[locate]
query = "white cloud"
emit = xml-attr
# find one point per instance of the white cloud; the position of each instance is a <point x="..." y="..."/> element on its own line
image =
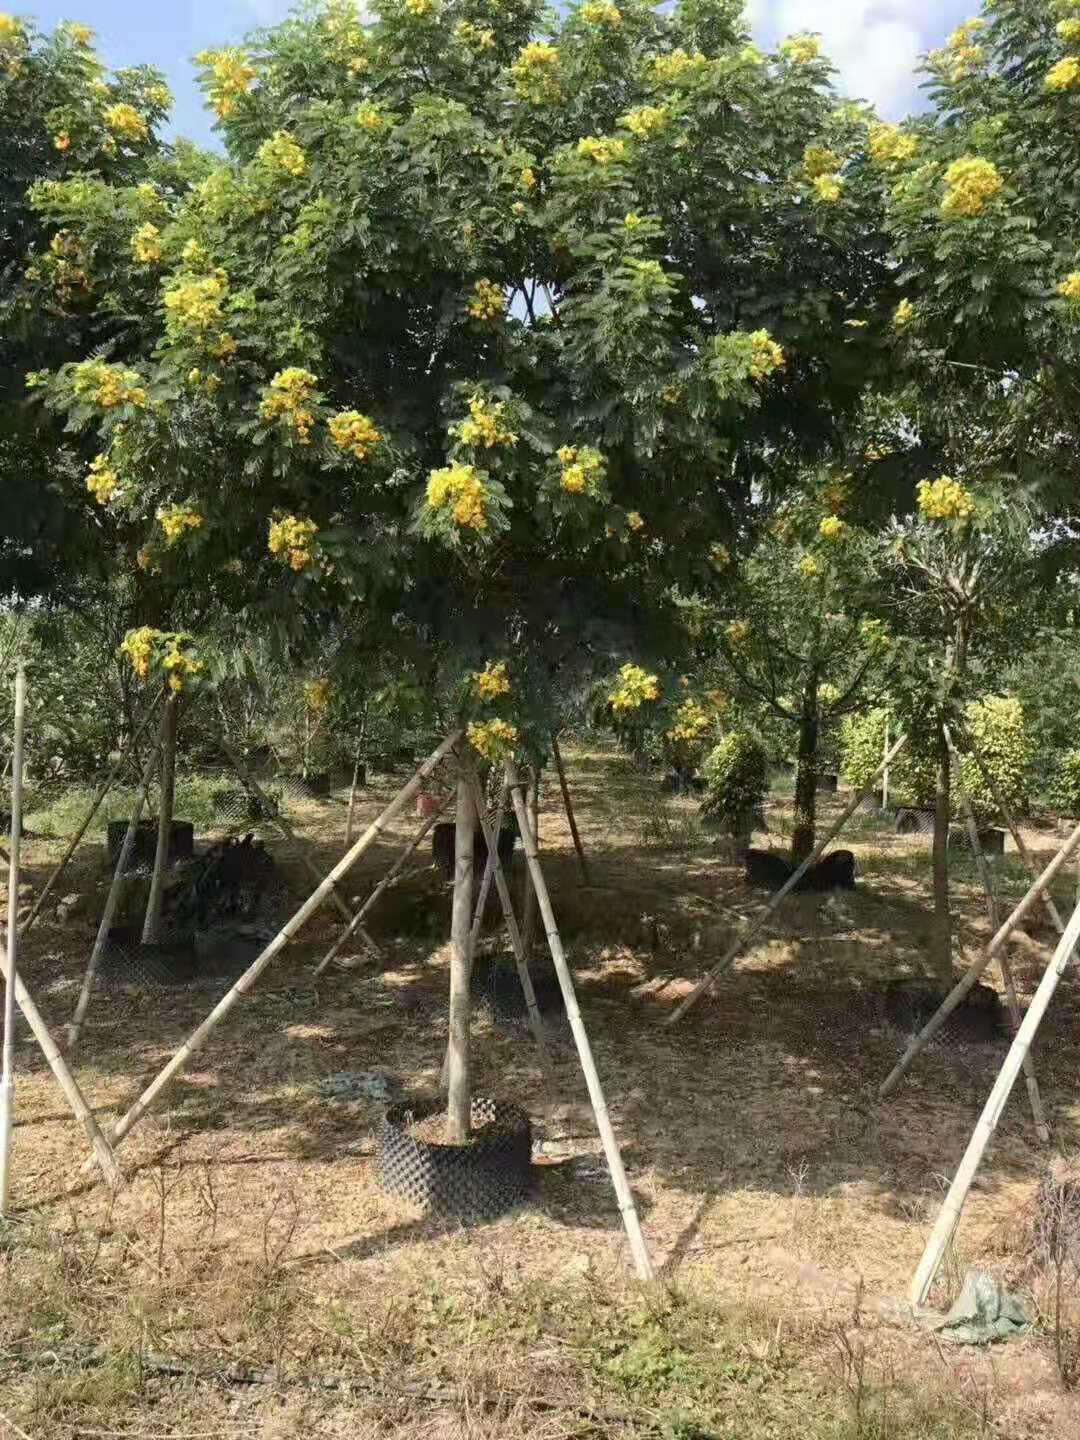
<point x="874" y="44"/>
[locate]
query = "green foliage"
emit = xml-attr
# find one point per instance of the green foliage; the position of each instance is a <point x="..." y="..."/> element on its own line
<point x="736" y="777"/>
<point x="998" y="732"/>
<point x="912" y="777"/>
<point x="1065" y="794"/>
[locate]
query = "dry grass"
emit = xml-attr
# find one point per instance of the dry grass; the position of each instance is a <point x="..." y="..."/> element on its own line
<point x="253" y="1279"/>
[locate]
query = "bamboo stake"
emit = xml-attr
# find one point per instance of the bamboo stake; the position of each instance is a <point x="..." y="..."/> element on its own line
<point x="255" y="790"/>
<point x="953" y="1204"/>
<point x="151" y="934"/>
<point x="458" y="1094"/>
<point x="315" y="900"/>
<point x="885" y="772"/>
<point x="492" y="854"/>
<point x="7" y="1079"/>
<point x="967" y="983"/>
<point x="384" y="884"/>
<point x="536" y="1020"/>
<point x="743" y="938"/>
<point x="112" y="900"/>
<point x="103" y="790"/>
<point x="1012" y="999"/>
<point x="529" y="923"/>
<point x="569" y="807"/>
<point x="623" y="1193"/>
<point x="352" y="800"/>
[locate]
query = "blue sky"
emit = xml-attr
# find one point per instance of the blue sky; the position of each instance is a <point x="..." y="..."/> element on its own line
<point x="874" y="43"/>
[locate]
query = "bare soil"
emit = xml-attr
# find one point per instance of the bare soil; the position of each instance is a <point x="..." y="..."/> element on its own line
<point x="251" y="1278"/>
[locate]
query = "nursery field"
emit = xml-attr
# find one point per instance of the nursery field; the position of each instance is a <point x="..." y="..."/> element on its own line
<point x="252" y="1279"/>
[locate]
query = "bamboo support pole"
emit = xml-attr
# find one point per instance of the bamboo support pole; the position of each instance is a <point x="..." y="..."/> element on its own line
<point x="953" y="1204"/>
<point x="528" y="925"/>
<point x="383" y="885"/>
<point x="151" y="934"/>
<point x="1038" y="1115"/>
<point x="969" y="980"/>
<point x="7" y="1077"/>
<point x="103" y="790"/>
<point x="458" y="1090"/>
<point x="112" y="900"/>
<point x="568" y="805"/>
<point x="492" y="855"/>
<point x="743" y="938"/>
<point x="247" y="980"/>
<point x="255" y="790"/>
<point x="352" y="800"/>
<point x="623" y="1193"/>
<point x="521" y="960"/>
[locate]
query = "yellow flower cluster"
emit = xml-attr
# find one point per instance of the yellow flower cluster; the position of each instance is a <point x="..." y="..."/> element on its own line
<point x="603" y="149"/>
<point x="79" y="33"/>
<point x="494" y="739"/>
<point x="1069" y="29"/>
<point x="102" y="482"/>
<point x="601" y="12"/>
<point x="828" y="187"/>
<point x="123" y="119"/>
<point x="159" y="95"/>
<point x="146" y="244"/>
<point x="692" y="720"/>
<point x="833" y="528"/>
<point x="492" y="681"/>
<point x="671" y="394"/>
<point x="108" y="385"/>
<point x="945" y="499"/>
<point x="527" y="178"/>
<point x="282" y="153"/>
<point x="583" y="469"/>
<point x="645" y="120"/>
<point x="232" y="73"/>
<point x="193" y="304"/>
<point x="62" y="141"/>
<point x="369" y="117"/>
<point x="466" y="33"/>
<point x="889" y="145"/>
<point x="819" y="160"/>
<point x="1063" y="75"/>
<point x="461" y="487"/>
<point x="809" y="567"/>
<point x="10" y="26"/>
<point x="635" y="687"/>
<point x="903" y="315"/>
<point x="678" y="65"/>
<point x="800" y="49"/>
<point x="317" y="694"/>
<point x="177" y="664"/>
<point x="535" y="73"/>
<point x="488" y="302"/>
<point x="421" y="7"/>
<point x="290" y="540"/>
<point x="354" y="432"/>
<point x="635" y="520"/>
<point x="960" y="55"/>
<point x="484" y="427"/>
<point x="738" y="633"/>
<point x="176" y="520"/>
<point x="1070" y="286"/>
<point x="767" y="355"/>
<point x="138" y="646"/>
<point x="970" y="182"/>
<point x="288" y="399"/>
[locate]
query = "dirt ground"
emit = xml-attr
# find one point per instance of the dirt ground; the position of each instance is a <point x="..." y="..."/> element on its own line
<point x="251" y="1278"/>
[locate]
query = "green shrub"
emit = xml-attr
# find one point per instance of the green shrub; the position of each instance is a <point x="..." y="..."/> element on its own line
<point x="736" y="777"/>
<point x="913" y="777"/>
<point x="1000" y="735"/>
<point x="1065" y="792"/>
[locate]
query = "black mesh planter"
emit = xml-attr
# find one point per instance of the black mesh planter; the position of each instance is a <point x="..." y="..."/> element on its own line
<point x="496" y="982"/>
<point x="467" y="1182"/>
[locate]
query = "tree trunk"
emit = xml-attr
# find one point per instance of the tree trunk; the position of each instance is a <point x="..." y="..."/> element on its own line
<point x="152" y="923"/>
<point x="941" y="934"/>
<point x="806" y="776"/>
<point x="459" y="1101"/>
